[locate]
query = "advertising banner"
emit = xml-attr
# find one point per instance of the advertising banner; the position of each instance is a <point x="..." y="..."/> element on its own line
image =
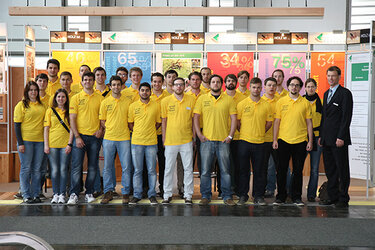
<point x="183" y="62"/>
<point x="113" y="60"/>
<point x="72" y="60"/>
<point x="327" y="38"/>
<point x="30" y="63"/>
<point x="231" y="38"/>
<point x="111" y="37"/>
<point x="320" y="62"/>
<point x="3" y="88"/>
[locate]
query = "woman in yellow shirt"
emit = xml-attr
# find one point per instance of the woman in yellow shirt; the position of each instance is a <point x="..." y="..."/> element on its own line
<point x="316" y="106"/>
<point x="28" y="124"/>
<point x="58" y="143"/>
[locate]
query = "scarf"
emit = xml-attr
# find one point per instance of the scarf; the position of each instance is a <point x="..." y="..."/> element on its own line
<point x="318" y="103"/>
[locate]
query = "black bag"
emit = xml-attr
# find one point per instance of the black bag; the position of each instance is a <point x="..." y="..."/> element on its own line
<point x="323" y="192"/>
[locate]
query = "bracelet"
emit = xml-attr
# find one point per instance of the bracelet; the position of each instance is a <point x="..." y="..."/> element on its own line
<point x="70" y="145"/>
<point x="230" y="137"/>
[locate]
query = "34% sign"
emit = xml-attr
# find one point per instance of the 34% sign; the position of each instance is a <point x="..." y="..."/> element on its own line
<point x="294" y="63"/>
<point x="240" y="61"/>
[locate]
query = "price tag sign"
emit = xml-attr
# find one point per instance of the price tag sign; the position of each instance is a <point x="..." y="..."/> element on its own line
<point x="320" y="62"/>
<point x="293" y="64"/>
<point x="113" y="60"/>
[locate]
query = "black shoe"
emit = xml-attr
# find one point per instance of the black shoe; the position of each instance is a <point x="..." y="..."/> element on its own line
<point x="28" y="201"/>
<point x="37" y="200"/>
<point x="188" y="201"/>
<point x="134" y="201"/>
<point x="260" y="201"/>
<point x="342" y="204"/>
<point x="153" y="200"/>
<point x="298" y="203"/>
<point x="311" y="199"/>
<point x="42" y="196"/>
<point x="166" y="202"/>
<point x="278" y="202"/>
<point x="18" y="196"/>
<point x="97" y="194"/>
<point x="326" y="202"/>
<point x="242" y="201"/>
<point x="269" y="194"/>
<point x="115" y="194"/>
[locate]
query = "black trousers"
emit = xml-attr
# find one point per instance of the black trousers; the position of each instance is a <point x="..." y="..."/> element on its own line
<point x="234" y="165"/>
<point x="336" y="165"/>
<point x="298" y="153"/>
<point x="268" y="151"/>
<point x="161" y="162"/>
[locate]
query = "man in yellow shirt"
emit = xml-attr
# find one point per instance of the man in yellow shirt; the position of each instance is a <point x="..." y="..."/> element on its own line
<point x="77" y="87"/>
<point x="292" y="137"/>
<point x="255" y="117"/>
<point x="278" y="74"/>
<point x="215" y="108"/>
<point x="136" y="75"/>
<point x="100" y="86"/>
<point x="113" y="113"/>
<point x="66" y="83"/>
<point x="123" y="73"/>
<point x="243" y="79"/>
<point x="177" y="128"/>
<point x="85" y="125"/>
<point x="53" y="68"/>
<point x="170" y="75"/>
<point x="206" y="74"/>
<point x="144" y="119"/>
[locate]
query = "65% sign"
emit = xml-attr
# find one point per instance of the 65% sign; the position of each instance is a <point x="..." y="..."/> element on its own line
<point x="294" y="63"/>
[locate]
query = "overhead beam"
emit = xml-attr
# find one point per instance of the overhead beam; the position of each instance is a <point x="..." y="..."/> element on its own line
<point x="166" y="11"/>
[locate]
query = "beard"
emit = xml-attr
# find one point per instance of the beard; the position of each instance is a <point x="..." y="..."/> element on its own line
<point x="231" y="87"/>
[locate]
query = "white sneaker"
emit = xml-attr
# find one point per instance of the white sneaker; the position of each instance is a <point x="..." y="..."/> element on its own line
<point x="73" y="199"/>
<point x="61" y="199"/>
<point x="89" y="198"/>
<point x="55" y="199"/>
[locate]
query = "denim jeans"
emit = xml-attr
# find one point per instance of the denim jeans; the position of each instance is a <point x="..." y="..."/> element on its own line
<point x="30" y="172"/>
<point x="139" y="152"/>
<point x="314" y="170"/>
<point x="59" y="162"/>
<point x="92" y="147"/>
<point x="123" y="149"/>
<point x="222" y="151"/>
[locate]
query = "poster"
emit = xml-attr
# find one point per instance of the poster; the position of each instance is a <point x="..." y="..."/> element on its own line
<point x="357" y="77"/>
<point x="30" y="63"/>
<point x="320" y="62"/>
<point x="183" y="62"/>
<point x="224" y="63"/>
<point x="293" y="64"/>
<point x="72" y="60"/>
<point x="2" y="70"/>
<point x="113" y="60"/>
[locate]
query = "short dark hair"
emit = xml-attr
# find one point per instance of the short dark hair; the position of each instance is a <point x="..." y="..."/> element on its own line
<point x="136" y="69"/>
<point x="214" y="75"/>
<point x="171" y="71"/>
<point x="99" y="69"/>
<point x="85" y="65"/>
<point x="41" y="76"/>
<point x="278" y="70"/>
<point x="122" y="69"/>
<point x="231" y="76"/>
<point x="294" y="78"/>
<point x="243" y="72"/>
<point x="195" y="73"/>
<point x="53" y="61"/>
<point x="269" y="79"/>
<point x="206" y="68"/>
<point x="157" y="74"/>
<point x="179" y="79"/>
<point x="145" y="84"/>
<point x="115" y="78"/>
<point x="256" y="80"/>
<point x="66" y="73"/>
<point x="311" y="80"/>
<point x="88" y="74"/>
<point x="334" y="68"/>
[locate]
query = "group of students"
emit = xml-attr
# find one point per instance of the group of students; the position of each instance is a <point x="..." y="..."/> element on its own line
<point x="195" y="121"/>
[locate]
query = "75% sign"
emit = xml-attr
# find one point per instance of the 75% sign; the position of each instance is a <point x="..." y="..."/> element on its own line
<point x="294" y="63"/>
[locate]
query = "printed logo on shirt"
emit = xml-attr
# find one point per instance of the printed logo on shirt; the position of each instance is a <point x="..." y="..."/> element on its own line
<point x="206" y="104"/>
<point x="172" y="108"/>
<point x="82" y="102"/>
<point x="109" y="107"/>
<point x="137" y="111"/>
<point x="285" y="107"/>
<point x="247" y="109"/>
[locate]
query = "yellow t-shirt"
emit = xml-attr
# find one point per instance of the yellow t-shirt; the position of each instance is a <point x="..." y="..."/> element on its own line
<point x="131" y="93"/>
<point x="179" y="116"/>
<point x="87" y="109"/>
<point x="145" y="117"/>
<point x="269" y="133"/>
<point x="158" y="100"/>
<point x="53" y="87"/>
<point x="58" y="136"/>
<point x="293" y="115"/>
<point x="253" y="117"/>
<point x="115" y="113"/>
<point x="31" y="120"/>
<point x="204" y="89"/>
<point x="195" y="96"/>
<point x="76" y="87"/>
<point x="246" y="93"/>
<point x="282" y="94"/>
<point x="45" y="100"/>
<point x="105" y="91"/>
<point x="316" y="117"/>
<point x="237" y="98"/>
<point x="70" y="95"/>
<point x="215" y="114"/>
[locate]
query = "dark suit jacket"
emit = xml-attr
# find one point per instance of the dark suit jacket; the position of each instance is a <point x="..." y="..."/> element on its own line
<point x="336" y="117"/>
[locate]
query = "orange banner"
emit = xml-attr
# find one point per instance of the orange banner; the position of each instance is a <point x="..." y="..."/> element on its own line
<point x="320" y="62"/>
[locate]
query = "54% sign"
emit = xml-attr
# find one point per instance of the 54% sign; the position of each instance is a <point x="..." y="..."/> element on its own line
<point x="294" y="63"/>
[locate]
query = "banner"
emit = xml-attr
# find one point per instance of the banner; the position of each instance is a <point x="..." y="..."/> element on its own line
<point x="293" y="64"/>
<point x="327" y="38"/>
<point x="111" y="37"/>
<point x="30" y="63"/>
<point x="72" y="60"/>
<point x="358" y="81"/>
<point x="113" y="60"/>
<point x="320" y="62"/>
<point x="3" y="88"/>
<point x="184" y="63"/>
<point x="231" y="38"/>
<point x="224" y="63"/>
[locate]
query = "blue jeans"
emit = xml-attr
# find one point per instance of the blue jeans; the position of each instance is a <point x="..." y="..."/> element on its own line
<point x="314" y="170"/>
<point x="59" y="162"/>
<point x="92" y="147"/>
<point x="222" y="150"/>
<point x="123" y="150"/>
<point x="30" y="172"/>
<point x="139" y="152"/>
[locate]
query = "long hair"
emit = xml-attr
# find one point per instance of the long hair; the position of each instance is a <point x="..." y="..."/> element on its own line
<point x="26" y="98"/>
<point x="66" y="104"/>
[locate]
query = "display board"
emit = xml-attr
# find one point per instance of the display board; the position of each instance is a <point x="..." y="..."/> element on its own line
<point x="292" y="63"/>
<point x="224" y="63"/>
<point x="183" y="62"/>
<point x="3" y="88"/>
<point x="320" y="62"/>
<point x="72" y="60"/>
<point x="113" y="60"/>
<point x="358" y="81"/>
<point x="30" y="63"/>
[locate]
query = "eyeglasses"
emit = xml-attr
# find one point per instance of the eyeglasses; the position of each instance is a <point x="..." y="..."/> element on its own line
<point x="294" y="85"/>
<point x="179" y="84"/>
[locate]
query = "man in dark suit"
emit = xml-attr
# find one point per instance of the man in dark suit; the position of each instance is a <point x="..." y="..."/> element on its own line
<point x="335" y="138"/>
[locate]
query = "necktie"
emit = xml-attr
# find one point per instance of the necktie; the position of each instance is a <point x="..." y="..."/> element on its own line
<point x="329" y="95"/>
